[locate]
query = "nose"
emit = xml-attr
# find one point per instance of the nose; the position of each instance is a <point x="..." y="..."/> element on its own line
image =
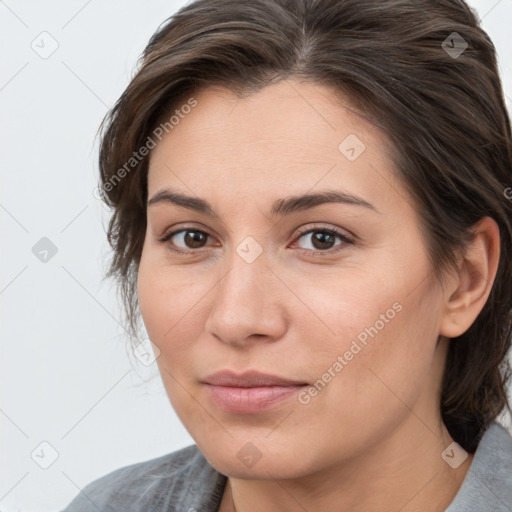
<point x="247" y="304"/>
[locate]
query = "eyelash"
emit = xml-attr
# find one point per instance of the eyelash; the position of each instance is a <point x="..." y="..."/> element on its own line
<point x="344" y="238"/>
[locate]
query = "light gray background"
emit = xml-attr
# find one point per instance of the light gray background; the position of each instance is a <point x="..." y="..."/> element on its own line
<point x="66" y="377"/>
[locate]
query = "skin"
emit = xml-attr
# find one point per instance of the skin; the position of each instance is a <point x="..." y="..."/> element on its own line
<point x="372" y="439"/>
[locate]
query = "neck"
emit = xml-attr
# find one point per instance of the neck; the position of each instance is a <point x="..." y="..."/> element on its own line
<point x="403" y="472"/>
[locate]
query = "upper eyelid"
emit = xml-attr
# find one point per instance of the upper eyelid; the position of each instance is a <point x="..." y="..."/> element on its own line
<point x="321" y="227"/>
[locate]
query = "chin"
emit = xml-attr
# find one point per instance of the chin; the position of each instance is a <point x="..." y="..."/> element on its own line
<point x="246" y="461"/>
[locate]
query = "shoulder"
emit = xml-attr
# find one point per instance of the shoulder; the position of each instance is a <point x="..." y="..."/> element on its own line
<point x="182" y="480"/>
<point x="488" y="483"/>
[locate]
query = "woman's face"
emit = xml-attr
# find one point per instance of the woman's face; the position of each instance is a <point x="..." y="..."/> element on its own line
<point x="333" y="294"/>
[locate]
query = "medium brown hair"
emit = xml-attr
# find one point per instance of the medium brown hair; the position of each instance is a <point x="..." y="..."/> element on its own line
<point x="444" y="113"/>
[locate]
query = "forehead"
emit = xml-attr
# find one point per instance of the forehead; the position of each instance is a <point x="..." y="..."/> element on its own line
<point x="291" y="135"/>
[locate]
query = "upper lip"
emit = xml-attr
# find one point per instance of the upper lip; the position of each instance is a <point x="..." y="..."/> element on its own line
<point x="249" y="379"/>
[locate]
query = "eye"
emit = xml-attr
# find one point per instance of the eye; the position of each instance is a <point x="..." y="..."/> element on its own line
<point x="322" y="239"/>
<point x="189" y="238"/>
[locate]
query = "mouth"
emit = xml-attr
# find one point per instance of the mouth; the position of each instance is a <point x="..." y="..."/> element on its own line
<point x="250" y="379"/>
<point x="250" y="392"/>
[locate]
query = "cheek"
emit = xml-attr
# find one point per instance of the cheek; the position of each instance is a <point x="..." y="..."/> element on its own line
<point x="369" y="336"/>
<point x="172" y="304"/>
<point x="168" y="298"/>
<point x="371" y="372"/>
<point x="153" y="301"/>
<point x="171" y="323"/>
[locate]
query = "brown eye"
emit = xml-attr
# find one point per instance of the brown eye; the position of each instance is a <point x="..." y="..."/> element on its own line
<point x="323" y="240"/>
<point x="194" y="239"/>
<point x="185" y="240"/>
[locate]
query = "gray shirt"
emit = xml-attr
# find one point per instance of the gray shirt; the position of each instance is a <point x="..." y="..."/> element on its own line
<point x="184" y="481"/>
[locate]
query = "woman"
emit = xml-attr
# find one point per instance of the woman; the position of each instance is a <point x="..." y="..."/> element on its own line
<point x="310" y="209"/>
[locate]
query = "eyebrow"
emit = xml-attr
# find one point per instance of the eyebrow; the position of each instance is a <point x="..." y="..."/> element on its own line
<point x="281" y="207"/>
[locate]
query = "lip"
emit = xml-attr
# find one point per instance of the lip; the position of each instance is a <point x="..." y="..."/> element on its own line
<point x="250" y="392"/>
<point x="249" y="379"/>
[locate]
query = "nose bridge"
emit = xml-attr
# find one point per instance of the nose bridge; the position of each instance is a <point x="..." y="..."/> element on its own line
<point x="241" y="304"/>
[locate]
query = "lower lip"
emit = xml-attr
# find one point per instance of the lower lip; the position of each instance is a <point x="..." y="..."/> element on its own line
<point x="250" y="400"/>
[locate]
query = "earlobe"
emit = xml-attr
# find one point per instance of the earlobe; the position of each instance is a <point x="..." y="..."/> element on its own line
<point x="473" y="283"/>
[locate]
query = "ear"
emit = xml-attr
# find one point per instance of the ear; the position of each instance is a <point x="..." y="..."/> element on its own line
<point x="471" y="286"/>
